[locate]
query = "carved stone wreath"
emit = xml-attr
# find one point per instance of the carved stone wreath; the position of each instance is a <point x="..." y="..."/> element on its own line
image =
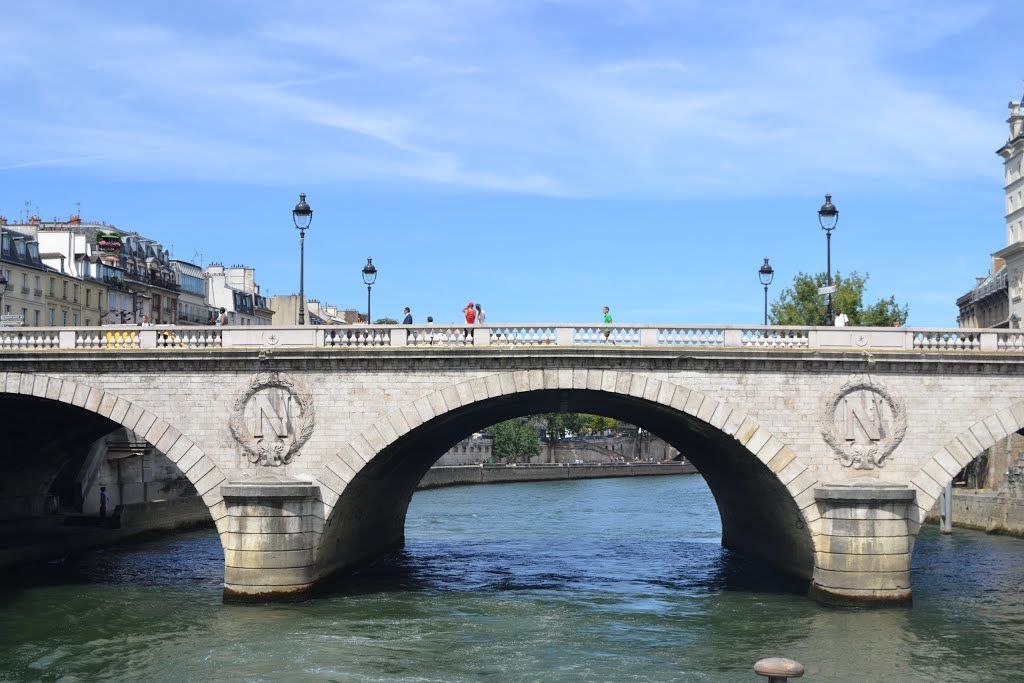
<point x="857" y="455"/>
<point x="277" y="453"/>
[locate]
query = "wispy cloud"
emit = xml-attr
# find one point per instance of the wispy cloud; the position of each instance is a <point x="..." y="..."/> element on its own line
<point x="629" y="99"/>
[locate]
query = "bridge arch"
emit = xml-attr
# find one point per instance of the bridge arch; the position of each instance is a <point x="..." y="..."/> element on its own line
<point x="190" y="459"/>
<point x="960" y="451"/>
<point x="763" y="489"/>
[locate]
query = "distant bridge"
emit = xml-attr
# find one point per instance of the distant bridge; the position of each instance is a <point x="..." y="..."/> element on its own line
<point x="824" y="447"/>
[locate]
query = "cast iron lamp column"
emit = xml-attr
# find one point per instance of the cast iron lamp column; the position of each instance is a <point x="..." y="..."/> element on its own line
<point x="369" y="276"/>
<point x="302" y="215"/>
<point x="828" y="217"/>
<point x="766" y="274"/>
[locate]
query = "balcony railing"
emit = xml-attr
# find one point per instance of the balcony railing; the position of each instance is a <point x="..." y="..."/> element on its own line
<point x="609" y="338"/>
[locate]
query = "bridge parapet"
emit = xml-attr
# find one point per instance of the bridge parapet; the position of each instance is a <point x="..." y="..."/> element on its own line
<point x="512" y="335"/>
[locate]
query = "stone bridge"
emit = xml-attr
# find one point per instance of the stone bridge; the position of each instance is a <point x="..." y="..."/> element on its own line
<point x="824" y="447"/>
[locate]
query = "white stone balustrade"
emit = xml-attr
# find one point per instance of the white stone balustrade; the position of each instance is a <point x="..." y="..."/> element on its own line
<point x="534" y="335"/>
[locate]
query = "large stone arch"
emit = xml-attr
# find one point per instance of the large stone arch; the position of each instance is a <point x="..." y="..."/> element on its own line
<point x="188" y="457"/>
<point x="958" y="452"/>
<point x="368" y="531"/>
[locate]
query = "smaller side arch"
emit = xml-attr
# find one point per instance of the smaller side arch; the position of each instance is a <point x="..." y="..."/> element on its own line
<point x="189" y="458"/>
<point x="958" y="452"/>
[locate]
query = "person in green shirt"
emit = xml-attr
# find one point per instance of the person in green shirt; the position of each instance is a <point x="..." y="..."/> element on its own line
<point x="607" y="321"/>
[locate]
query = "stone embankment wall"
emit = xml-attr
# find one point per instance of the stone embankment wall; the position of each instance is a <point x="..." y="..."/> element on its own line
<point x="650" y="448"/>
<point x="991" y="511"/>
<point x="164" y="515"/>
<point x="495" y="474"/>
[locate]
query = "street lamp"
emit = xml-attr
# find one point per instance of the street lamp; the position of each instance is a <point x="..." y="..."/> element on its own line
<point x="369" y="276"/>
<point x="828" y="216"/>
<point x="302" y="216"/>
<point x="766" y="274"/>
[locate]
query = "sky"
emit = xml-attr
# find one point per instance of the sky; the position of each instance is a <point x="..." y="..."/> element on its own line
<point x="544" y="158"/>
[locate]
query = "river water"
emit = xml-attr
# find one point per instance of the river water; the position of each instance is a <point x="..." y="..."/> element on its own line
<point x="605" y="580"/>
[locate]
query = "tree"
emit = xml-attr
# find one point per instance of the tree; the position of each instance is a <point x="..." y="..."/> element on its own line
<point x="558" y="424"/>
<point x="515" y="439"/>
<point x="386" y="321"/>
<point x="802" y="305"/>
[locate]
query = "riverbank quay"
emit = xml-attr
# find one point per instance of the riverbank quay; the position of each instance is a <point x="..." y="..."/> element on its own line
<point x="51" y="537"/>
<point x="464" y="475"/>
<point x="994" y="512"/>
<point x="43" y="539"/>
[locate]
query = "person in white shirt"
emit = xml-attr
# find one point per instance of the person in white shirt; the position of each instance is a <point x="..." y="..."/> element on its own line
<point x="841" y="319"/>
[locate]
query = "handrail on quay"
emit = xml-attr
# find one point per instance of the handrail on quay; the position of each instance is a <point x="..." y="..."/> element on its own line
<point x="514" y="335"/>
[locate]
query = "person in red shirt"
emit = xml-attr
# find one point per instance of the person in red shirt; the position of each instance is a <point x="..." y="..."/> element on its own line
<point x="470" y="313"/>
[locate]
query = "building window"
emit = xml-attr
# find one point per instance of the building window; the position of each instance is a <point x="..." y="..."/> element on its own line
<point x="88" y="297"/>
<point x="76" y="294"/>
<point x="24" y="315"/>
<point x="63" y="318"/>
<point x="53" y="287"/>
<point x="35" y="318"/>
<point x="64" y="291"/>
<point x="39" y="289"/>
<point x="74" y="319"/>
<point x="53" y="315"/>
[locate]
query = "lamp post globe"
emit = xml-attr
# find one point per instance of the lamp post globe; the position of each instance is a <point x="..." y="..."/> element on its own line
<point x="766" y="273"/>
<point x="302" y="216"/>
<point x="369" y="277"/>
<point x="828" y="217"/>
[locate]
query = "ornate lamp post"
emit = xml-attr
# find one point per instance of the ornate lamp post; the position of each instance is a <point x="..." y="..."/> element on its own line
<point x="766" y="273"/>
<point x="369" y="276"/>
<point x="828" y="217"/>
<point x="302" y="216"/>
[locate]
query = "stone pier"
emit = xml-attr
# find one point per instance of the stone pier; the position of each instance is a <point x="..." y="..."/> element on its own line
<point x="863" y="555"/>
<point x="271" y="540"/>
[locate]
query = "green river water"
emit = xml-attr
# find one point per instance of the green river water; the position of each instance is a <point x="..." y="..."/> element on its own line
<point x="603" y="580"/>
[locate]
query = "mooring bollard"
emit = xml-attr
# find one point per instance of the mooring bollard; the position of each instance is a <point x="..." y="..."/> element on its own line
<point x="778" y="669"/>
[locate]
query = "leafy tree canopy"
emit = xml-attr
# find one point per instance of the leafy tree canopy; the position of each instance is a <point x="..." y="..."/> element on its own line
<point x="515" y="439"/>
<point x="560" y="424"/>
<point x="386" y="321"/>
<point x="801" y="304"/>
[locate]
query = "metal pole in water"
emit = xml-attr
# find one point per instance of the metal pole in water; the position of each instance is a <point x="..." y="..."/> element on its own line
<point x="778" y="669"/>
<point x="946" y="509"/>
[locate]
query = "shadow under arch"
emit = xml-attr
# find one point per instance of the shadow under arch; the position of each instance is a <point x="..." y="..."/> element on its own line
<point x="756" y="480"/>
<point x="960" y="451"/>
<point x="105" y="412"/>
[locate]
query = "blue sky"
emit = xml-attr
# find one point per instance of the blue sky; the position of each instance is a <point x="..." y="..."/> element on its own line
<point x="543" y="158"/>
